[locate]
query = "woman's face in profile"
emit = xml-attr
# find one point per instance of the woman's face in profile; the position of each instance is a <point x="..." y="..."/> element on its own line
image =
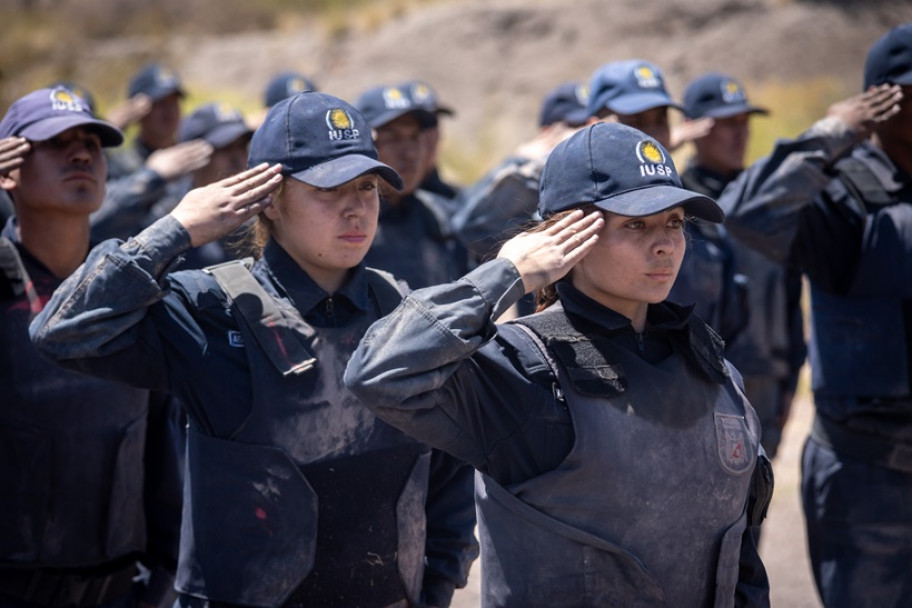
<point x="635" y="261"/>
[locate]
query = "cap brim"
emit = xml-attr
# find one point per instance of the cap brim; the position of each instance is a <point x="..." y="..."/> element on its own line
<point x="227" y="134"/>
<point x="655" y="199"/>
<point x="159" y="94"/>
<point x="425" y="119"/>
<point x="728" y="111"/>
<point x="49" y="128"/>
<point x="340" y="170"/>
<point x="445" y="110"/>
<point x="640" y="102"/>
<point x="577" y="118"/>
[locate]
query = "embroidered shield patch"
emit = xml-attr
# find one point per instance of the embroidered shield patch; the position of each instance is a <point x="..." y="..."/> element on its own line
<point x="733" y="443"/>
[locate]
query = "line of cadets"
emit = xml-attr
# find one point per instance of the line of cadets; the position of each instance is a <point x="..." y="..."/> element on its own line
<point x="429" y="232"/>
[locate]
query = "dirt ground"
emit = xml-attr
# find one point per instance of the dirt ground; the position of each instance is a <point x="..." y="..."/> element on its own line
<point x="783" y="545"/>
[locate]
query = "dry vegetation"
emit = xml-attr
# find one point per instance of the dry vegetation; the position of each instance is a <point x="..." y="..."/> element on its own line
<point x="492" y="61"/>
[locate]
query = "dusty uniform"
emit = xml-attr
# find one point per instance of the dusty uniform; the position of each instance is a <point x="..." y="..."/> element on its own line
<point x="90" y="476"/>
<point x="843" y="215"/>
<point x="770" y="350"/>
<point x="589" y="484"/>
<point x="297" y="495"/>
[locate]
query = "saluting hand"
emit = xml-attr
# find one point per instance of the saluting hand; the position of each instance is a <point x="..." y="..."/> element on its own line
<point x="180" y="159"/>
<point x="864" y="111"/>
<point x="12" y="153"/>
<point x="213" y="211"/>
<point x="544" y="256"/>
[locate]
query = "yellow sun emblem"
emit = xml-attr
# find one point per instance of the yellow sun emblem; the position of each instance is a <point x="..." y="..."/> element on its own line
<point x="649" y="152"/>
<point x="339" y="119"/>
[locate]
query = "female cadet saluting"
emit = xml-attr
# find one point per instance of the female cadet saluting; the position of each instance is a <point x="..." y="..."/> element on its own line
<point x="616" y="449"/>
<point x="296" y="494"/>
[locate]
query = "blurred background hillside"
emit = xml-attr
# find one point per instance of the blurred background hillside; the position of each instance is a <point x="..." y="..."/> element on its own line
<point x="490" y="61"/>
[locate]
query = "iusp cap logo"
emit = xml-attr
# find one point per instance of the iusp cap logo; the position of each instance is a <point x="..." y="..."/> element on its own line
<point x="318" y="139"/>
<point x="648" y="77"/>
<point x="652" y="160"/>
<point x="66" y="100"/>
<point x="618" y="169"/>
<point x="394" y="99"/>
<point x="341" y="126"/>
<point x="732" y="91"/>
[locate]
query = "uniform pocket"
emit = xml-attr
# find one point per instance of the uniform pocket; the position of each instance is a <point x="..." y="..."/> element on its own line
<point x="249" y="528"/>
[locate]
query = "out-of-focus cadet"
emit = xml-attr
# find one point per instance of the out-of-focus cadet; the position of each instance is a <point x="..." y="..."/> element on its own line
<point x="425" y="96"/>
<point x="836" y="202"/>
<point x="91" y="482"/>
<point x="284" y="85"/>
<point x="144" y="172"/>
<point x="414" y="238"/>
<point x="225" y="130"/>
<point x="770" y="351"/>
<point x="633" y="93"/>
<point x="502" y="202"/>
<point x="281" y="86"/>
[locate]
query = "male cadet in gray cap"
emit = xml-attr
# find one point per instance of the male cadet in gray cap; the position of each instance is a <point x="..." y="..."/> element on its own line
<point x="89" y="471"/>
<point x="770" y="351"/>
<point x="837" y="203"/>
<point x="143" y="173"/>
<point x="414" y="238"/>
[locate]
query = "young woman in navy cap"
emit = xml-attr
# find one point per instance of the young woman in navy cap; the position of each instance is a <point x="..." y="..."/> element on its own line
<point x="616" y="449"/>
<point x="296" y="494"/>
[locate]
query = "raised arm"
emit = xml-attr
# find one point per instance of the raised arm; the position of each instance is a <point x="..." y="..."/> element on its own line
<point x="763" y="206"/>
<point x="100" y="310"/>
<point x="417" y="369"/>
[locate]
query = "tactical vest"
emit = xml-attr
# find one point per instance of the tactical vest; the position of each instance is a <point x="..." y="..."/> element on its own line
<point x="71" y="448"/>
<point x="859" y="346"/>
<point x="649" y="506"/>
<point x="312" y="501"/>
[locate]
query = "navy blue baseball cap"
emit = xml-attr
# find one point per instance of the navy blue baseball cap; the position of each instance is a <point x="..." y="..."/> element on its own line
<point x="717" y="96"/>
<point x="618" y="169"/>
<point x="424" y="96"/>
<point x="383" y="105"/>
<point x="155" y="81"/>
<point x="217" y="123"/>
<point x="319" y="140"/>
<point x="46" y="113"/>
<point x="628" y="87"/>
<point x="890" y="58"/>
<point x="286" y="84"/>
<point x="565" y="103"/>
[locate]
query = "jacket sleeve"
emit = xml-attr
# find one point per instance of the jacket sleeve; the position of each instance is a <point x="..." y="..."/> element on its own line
<point x="99" y="321"/>
<point x="451" y="546"/>
<point x="127" y="205"/>
<point x="413" y="368"/>
<point x="763" y="206"/>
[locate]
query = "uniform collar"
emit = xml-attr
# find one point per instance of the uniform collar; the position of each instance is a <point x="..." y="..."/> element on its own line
<point x="890" y="176"/>
<point x="303" y="291"/>
<point x="665" y="315"/>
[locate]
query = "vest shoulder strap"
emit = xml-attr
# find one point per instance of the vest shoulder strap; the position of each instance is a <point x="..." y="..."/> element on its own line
<point x="862" y="183"/>
<point x="583" y="357"/>
<point x="275" y="330"/>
